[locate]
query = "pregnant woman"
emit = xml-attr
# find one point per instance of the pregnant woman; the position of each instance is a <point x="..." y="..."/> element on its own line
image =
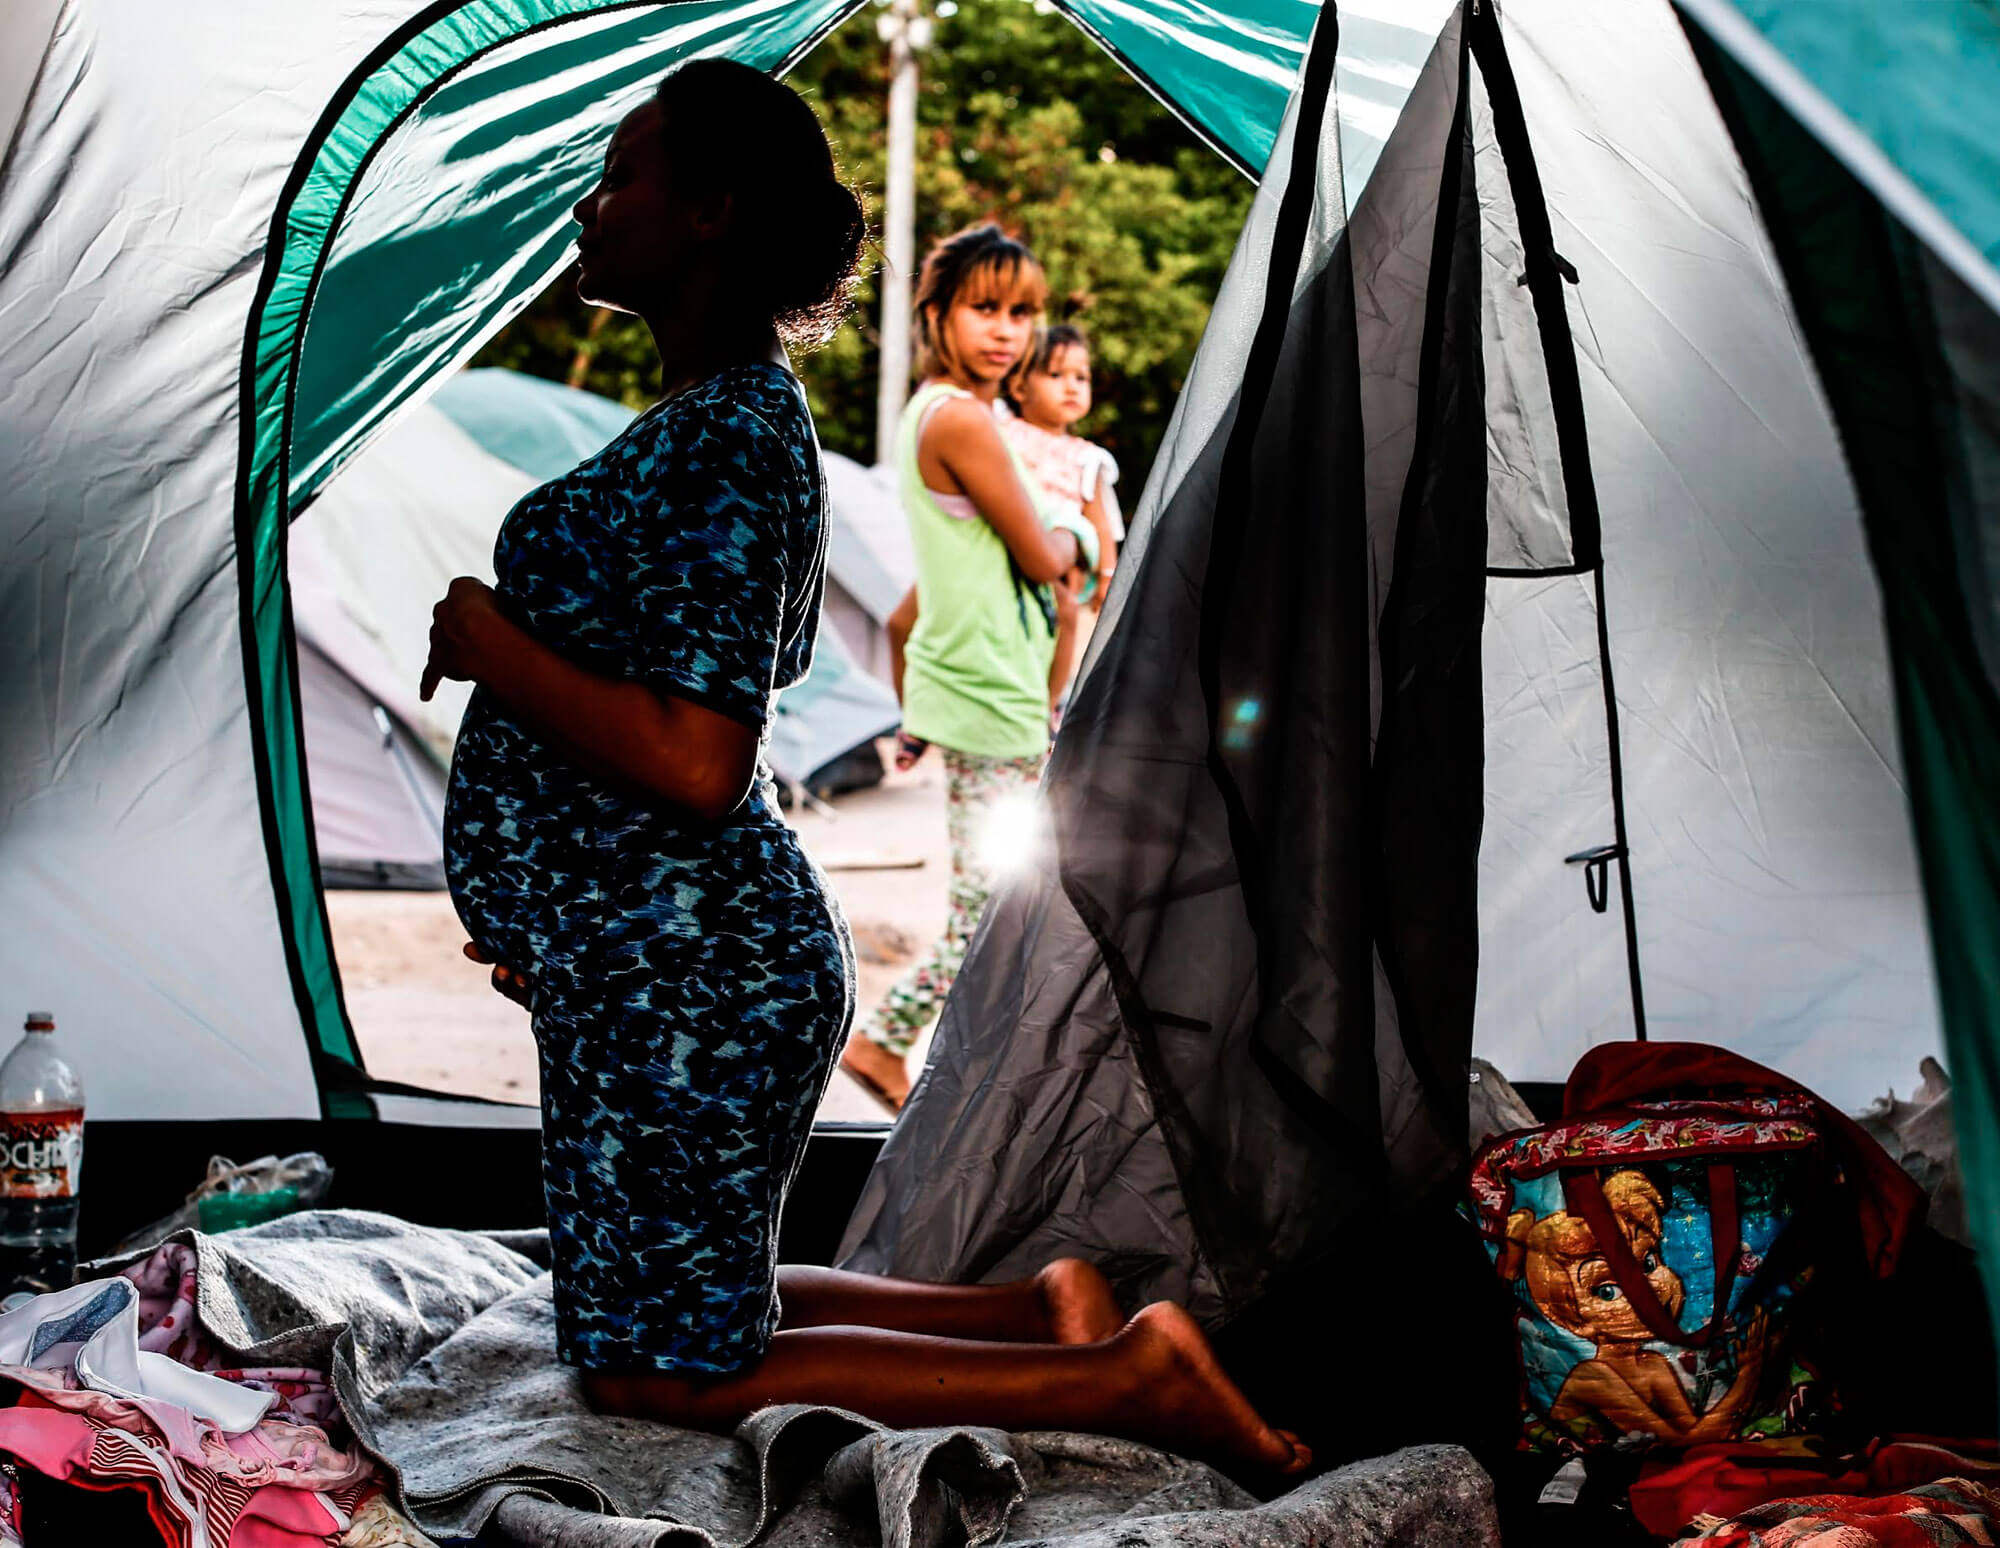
<point x="616" y="853"/>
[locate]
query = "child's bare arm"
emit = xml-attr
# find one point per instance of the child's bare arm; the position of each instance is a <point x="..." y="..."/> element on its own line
<point x="901" y="621"/>
<point x="1107" y="545"/>
<point x="1069" y="636"/>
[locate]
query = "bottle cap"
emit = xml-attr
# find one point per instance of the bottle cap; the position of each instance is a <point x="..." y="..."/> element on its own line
<point x="41" y="1021"/>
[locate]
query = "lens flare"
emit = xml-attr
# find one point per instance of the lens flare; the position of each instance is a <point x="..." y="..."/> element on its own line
<point x="1012" y="835"/>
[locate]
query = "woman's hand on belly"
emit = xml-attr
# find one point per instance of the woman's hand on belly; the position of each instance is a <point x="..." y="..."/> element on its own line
<point x="459" y="624"/>
<point x="512" y="982"/>
<point x="667" y="747"/>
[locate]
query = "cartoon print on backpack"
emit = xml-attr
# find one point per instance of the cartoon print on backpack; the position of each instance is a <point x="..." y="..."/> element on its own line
<point x="1595" y="1369"/>
<point x="1626" y="1386"/>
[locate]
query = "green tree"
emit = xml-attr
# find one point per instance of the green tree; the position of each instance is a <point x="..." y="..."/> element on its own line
<point x="1021" y="119"/>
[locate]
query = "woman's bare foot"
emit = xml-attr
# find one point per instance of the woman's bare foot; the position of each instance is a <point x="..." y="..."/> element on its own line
<point x="1186" y="1403"/>
<point x="882" y="1074"/>
<point x="1080" y="1305"/>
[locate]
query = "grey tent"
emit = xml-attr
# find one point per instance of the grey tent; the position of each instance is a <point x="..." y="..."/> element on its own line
<point x="1497" y="661"/>
<point x="378" y="793"/>
<point x="870" y="562"/>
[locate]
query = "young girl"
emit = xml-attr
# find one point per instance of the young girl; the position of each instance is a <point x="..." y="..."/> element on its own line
<point x="1049" y="392"/>
<point x="974" y="672"/>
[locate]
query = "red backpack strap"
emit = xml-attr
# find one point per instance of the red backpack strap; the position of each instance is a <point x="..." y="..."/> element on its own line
<point x="1888" y="1203"/>
<point x="1585" y="1196"/>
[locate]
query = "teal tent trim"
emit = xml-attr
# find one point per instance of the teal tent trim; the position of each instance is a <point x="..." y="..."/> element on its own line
<point x="1904" y="350"/>
<point x="1907" y="97"/>
<point x="308" y="406"/>
<point x="411" y="64"/>
<point x="1226" y="71"/>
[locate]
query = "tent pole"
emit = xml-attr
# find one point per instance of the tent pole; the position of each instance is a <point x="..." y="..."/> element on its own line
<point x="1624" y="852"/>
<point x="905" y="29"/>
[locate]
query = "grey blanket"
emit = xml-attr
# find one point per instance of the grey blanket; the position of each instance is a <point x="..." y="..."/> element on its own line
<point x="442" y="1348"/>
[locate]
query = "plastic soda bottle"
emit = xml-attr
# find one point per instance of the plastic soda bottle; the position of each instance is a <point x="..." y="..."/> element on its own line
<point x="41" y="1158"/>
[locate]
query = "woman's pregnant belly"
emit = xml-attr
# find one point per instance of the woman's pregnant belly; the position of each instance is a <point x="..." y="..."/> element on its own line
<point x="548" y="867"/>
<point x="516" y="855"/>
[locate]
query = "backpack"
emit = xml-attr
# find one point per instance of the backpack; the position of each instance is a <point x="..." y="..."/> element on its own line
<point x="1668" y="1238"/>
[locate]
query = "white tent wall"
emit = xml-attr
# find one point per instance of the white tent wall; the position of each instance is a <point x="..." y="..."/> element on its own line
<point x="1775" y="887"/>
<point x="1775" y="878"/>
<point x="1776" y="890"/>
<point x="1777" y="901"/>
<point x="134" y="881"/>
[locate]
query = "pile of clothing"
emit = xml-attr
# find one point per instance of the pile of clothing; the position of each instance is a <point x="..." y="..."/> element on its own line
<point x="115" y="1384"/>
<point x="1953" y="1510"/>
<point x="1911" y="1490"/>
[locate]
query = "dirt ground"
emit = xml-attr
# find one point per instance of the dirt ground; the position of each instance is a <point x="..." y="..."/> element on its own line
<point x="427" y="1016"/>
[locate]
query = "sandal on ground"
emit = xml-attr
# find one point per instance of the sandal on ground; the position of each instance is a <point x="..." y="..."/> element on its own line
<point x="869" y="1084"/>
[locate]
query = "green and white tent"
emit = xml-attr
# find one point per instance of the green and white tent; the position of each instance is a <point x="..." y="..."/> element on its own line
<point x="234" y="243"/>
<point x="1738" y="581"/>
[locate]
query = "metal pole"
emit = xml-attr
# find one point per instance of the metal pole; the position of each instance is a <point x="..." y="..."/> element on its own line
<point x="905" y="29"/>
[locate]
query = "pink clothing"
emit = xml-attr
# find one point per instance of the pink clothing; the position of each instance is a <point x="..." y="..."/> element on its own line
<point x="193" y="1506"/>
<point x="1069" y="469"/>
<point x="275" y="1452"/>
<point x="280" y="1482"/>
<point x="167" y="1325"/>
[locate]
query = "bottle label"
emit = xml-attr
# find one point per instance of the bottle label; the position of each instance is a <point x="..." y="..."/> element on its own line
<point x="40" y="1154"/>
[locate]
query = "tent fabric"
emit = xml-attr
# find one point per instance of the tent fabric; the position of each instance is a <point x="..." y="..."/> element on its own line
<point x="1777" y="902"/>
<point x="24" y="31"/>
<point x="471" y="127"/>
<point x="180" y="210"/>
<point x="1720" y="626"/>
<point x="135" y="876"/>
<point x="1226" y="68"/>
<point x="544" y="429"/>
<point x="1907" y="98"/>
<point x="1910" y="357"/>
<point x="1265" y="798"/>
<point x="870" y="562"/>
<point x="372" y="555"/>
<point x="422" y="504"/>
<point x="378" y="799"/>
<point x="540" y="427"/>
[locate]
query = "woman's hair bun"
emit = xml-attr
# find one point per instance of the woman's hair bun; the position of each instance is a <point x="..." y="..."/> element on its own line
<point x="798" y="232"/>
<point x="814" y="273"/>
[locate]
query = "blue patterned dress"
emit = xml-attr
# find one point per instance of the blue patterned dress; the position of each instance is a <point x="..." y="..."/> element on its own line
<point x="692" y="981"/>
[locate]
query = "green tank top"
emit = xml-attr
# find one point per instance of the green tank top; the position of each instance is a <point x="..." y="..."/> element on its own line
<point x="976" y="669"/>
